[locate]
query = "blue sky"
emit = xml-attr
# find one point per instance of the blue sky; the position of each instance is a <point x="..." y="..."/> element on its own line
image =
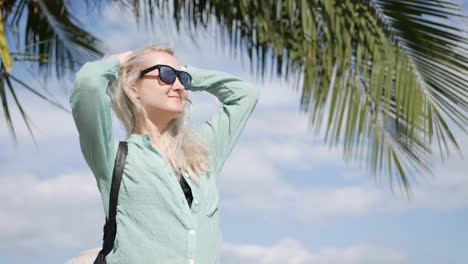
<point x="285" y="196"/>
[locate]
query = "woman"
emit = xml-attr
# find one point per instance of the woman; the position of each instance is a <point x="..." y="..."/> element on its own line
<point x="156" y="222"/>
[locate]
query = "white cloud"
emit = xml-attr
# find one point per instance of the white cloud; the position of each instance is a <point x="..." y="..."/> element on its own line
<point x="66" y="213"/>
<point x="276" y="158"/>
<point x="292" y="252"/>
<point x="63" y="212"/>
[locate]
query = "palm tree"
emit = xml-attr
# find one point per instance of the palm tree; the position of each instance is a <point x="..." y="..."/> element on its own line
<point x="53" y="39"/>
<point x="386" y="78"/>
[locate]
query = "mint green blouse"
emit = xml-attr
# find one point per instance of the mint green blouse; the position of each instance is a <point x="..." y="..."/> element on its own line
<point x="154" y="222"/>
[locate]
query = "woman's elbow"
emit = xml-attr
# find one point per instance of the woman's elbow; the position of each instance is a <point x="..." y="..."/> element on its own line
<point x="253" y="92"/>
<point x="256" y="92"/>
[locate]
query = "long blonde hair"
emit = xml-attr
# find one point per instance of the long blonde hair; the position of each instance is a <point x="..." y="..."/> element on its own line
<point x="183" y="150"/>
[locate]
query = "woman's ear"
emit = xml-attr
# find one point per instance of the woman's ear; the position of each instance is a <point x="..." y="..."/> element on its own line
<point x="134" y="91"/>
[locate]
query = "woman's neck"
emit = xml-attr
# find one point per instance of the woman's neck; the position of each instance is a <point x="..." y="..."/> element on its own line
<point x="154" y="128"/>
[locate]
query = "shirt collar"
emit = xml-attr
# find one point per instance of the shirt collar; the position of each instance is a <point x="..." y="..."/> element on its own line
<point x="140" y="139"/>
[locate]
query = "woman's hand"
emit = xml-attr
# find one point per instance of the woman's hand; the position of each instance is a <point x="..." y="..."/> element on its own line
<point x="123" y="57"/>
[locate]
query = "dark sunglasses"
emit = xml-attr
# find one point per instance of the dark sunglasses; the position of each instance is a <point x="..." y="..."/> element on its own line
<point x="168" y="75"/>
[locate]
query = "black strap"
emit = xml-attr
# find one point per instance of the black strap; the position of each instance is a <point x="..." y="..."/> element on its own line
<point x="110" y="228"/>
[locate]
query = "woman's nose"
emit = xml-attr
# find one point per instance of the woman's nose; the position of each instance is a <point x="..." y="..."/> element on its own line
<point x="177" y="85"/>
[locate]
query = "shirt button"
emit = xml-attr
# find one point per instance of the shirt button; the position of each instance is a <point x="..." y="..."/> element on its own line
<point x="191" y="261"/>
<point x="195" y="201"/>
<point x="192" y="232"/>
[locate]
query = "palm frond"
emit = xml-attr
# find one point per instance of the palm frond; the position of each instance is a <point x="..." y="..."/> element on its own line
<point x="4" y="51"/>
<point x="70" y="44"/>
<point x="6" y="81"/>
<point x="384" y="78"/>
<point x="6" y="110"/>
<point x="384" y="74"/>
<point x="54" y="39"/>
<point x="437" y="50"/>
<point x="25" y="117"/>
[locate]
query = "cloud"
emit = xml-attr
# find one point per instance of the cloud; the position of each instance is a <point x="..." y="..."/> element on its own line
<point x="65" y="212"/>
<point x="60" y="212"/>
<point x="278" y="158"/>
<point x="292" y="252"/>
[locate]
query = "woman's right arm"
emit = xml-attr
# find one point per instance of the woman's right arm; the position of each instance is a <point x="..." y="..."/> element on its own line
<point x="91" y="108"/>
<point x="238" y="97"/>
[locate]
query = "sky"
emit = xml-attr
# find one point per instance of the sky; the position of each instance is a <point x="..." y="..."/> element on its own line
<point x="285" y="196"/>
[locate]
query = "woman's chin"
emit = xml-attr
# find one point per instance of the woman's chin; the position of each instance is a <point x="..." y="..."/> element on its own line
<point x="176" y="109"/>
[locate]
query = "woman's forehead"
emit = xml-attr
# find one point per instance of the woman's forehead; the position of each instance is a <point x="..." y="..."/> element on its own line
<point x="160" y="57"/>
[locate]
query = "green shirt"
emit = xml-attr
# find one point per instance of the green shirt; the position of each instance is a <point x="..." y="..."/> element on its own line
<point x="154" y="222"/>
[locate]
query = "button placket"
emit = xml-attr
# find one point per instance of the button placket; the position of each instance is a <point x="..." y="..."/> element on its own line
<point x="195" y="204"/>
<point x="192" y="239"/>
<point x="178" y="192"/>
<point x="196" y="201"/>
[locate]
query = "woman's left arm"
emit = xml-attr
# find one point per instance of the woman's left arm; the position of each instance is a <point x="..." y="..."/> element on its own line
<point x="222" y="130"/>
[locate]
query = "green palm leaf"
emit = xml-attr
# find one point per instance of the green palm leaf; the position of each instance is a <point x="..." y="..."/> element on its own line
<point x="70" y="44"/>
<point x="384" y="77"/>
<point x="54" y="39"/>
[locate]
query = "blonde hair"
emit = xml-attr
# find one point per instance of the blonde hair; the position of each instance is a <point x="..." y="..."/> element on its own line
<point x="183" y="150"/>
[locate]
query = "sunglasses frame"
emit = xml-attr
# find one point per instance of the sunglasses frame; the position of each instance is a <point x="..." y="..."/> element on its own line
<point x="158" y="67"/>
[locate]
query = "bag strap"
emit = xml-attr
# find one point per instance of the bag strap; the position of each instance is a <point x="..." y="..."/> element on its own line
<point x="110" y="228"/>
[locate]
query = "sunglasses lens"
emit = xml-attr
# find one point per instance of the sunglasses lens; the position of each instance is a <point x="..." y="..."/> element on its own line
<point x="168" y="75"/>
<point x="185" y="79"/>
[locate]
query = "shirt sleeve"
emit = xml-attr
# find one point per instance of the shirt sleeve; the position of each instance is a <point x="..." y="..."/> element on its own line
<point x="91" y="108"/>
<point x="239" y="98"/>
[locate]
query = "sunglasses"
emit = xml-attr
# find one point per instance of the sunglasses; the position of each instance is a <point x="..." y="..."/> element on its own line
<point x="168" y="75"/>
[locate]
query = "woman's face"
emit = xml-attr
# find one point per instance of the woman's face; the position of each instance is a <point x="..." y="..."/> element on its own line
<point x="160" y="99"/>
